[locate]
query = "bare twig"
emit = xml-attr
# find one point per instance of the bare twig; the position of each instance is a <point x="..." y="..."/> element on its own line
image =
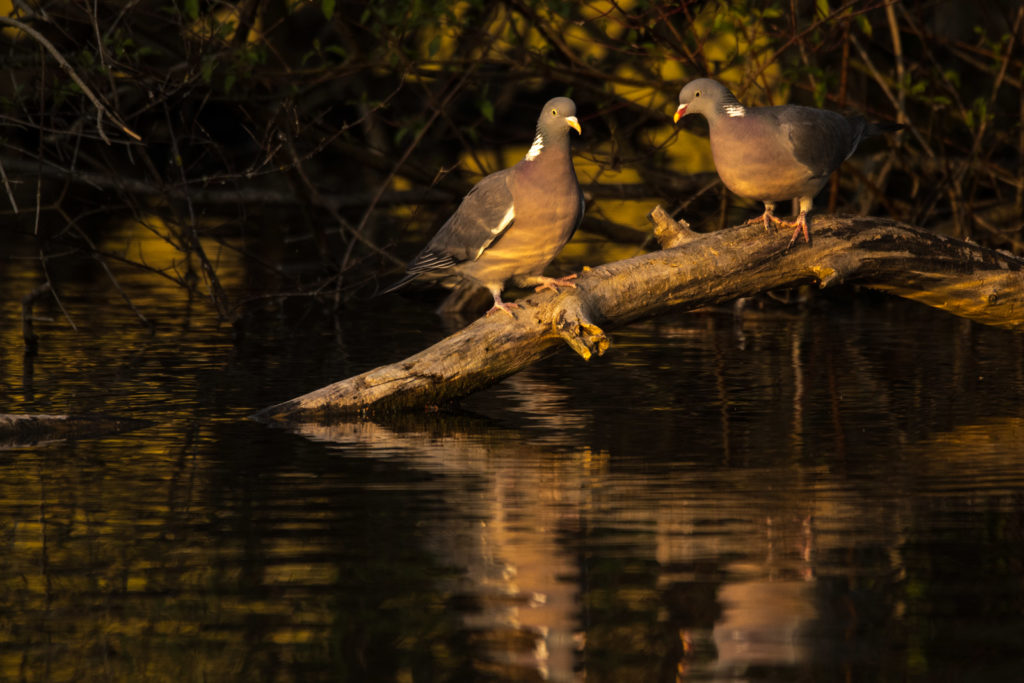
<point x="331" y="206"/>
<point x="7" y="187"/>
<point x="217" y="294"/>
<point x="452" y="91"/>
<point x="896" y="103"/>
<point x="101" y="109"/>
<point x="49" y="285"/>
<point x="897" y="51"/>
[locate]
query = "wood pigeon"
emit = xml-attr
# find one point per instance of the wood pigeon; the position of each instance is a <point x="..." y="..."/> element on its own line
<point x="774" y="153"/>
<point x="513" y="222"/>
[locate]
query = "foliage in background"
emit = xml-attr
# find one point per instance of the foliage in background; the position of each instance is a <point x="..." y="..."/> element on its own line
<point x="321" y="142"/>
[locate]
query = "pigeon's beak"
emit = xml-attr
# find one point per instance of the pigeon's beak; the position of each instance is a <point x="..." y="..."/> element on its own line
<point x="680" y="113"/>
<point x="574" y="124"/>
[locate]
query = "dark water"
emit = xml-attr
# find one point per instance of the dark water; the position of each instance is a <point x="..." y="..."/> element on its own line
<point x="833" y="492"/>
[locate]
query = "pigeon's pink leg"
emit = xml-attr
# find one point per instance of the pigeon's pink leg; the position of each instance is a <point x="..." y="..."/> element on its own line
<point x="801" y="226"/>
<point x="500" y="305"/>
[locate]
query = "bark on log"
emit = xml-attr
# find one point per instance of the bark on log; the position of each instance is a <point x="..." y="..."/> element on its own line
<point x="693" y="270"/>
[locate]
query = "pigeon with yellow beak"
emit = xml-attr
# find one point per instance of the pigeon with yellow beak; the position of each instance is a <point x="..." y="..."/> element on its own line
<point x="513" y="222"/>
<point x="774" y="153"/>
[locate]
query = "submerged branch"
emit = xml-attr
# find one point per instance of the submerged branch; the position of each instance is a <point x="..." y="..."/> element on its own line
<point x="695" y="270"/>
<point x="19" y="430"/>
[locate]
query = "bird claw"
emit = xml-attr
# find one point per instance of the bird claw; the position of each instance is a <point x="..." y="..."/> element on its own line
<point x="503" y="306"/>
<point x="553" y="283"/>
<point x="800" y="226"/>
<point x="768" y="218"/>
<point x="755" y="220"/>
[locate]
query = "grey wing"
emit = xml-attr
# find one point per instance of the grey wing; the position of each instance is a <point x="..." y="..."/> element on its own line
<point x="821" y="140"/>
<point x="485" y="213"/>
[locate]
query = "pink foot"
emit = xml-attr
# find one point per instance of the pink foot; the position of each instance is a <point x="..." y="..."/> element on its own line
<point x="553" y="283"/>
<point x="500" y="305"/>
<point x="768" y="218"/>
<point x="800" y="225"/>
<point x="757" y="219"/>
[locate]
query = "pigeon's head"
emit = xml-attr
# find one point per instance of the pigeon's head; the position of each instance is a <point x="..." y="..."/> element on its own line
<point x="708" y="97"/>
<point x="557" y="117"/>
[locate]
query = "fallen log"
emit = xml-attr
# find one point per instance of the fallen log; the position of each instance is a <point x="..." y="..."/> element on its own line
<point x="692" y="270"/>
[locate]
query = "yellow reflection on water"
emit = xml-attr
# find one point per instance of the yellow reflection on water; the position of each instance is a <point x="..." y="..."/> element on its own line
<point x="783" y="528"/>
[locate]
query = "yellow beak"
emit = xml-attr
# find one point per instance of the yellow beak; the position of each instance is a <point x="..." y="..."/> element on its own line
<point x="680" y="113"/>
<point x="574" y="124"/>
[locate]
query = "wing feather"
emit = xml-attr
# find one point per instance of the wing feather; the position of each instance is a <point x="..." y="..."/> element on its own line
<point x="821" y="140"/>
<point x="485" y="213"/>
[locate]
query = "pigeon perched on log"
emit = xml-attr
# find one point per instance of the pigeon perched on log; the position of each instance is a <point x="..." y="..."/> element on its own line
<point x="773" y="154"/>
<point x="513" y="222"/>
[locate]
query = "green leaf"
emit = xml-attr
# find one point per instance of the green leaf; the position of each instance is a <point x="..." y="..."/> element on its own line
<point x="192" y="9"/>
<point x="980" y="107"/>
<point x="864" y="25"/>
<point x="487" y="109"/>
<point x="327" y="7"/>
<point x="337" y="50"/>
<point x="820" y="93"/>
<point x="206" y="69"/>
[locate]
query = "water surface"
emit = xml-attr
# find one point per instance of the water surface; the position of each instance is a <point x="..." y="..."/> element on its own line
<point x="827" y="492"/>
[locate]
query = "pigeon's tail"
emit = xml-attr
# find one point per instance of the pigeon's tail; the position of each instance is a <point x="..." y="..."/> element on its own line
<point x="877" y="128"/>
<point x="398" y="285"/>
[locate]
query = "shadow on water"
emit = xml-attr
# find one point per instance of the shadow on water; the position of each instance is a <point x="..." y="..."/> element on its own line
<point x="817" y="494"/>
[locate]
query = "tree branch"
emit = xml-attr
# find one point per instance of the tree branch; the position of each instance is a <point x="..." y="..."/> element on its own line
<point x="101" y="108"/>
<point x="959" y="277"/>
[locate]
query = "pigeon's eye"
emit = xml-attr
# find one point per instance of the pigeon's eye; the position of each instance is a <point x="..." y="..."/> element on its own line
<point x="554" y="112"/>
<point x="697" y="94"/>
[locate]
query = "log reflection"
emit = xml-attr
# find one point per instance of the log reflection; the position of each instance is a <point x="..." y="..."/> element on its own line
<point x="575" y="563"/>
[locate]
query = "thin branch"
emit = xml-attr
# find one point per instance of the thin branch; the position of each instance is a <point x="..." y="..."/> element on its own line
<point x="56" y="297"/>
<point x="897" y="51"/>
<point x="217" y="294"/>
<point x="332" y="207"/>
<point x="457" y="87"/>
<point x="7" y="187"/>
<point x="896" y="103"/>
<point x="101" y="109"/>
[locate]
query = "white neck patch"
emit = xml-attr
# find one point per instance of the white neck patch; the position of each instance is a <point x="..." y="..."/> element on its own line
<point x="735" y="110"/>
<point x="538" y="145"/>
